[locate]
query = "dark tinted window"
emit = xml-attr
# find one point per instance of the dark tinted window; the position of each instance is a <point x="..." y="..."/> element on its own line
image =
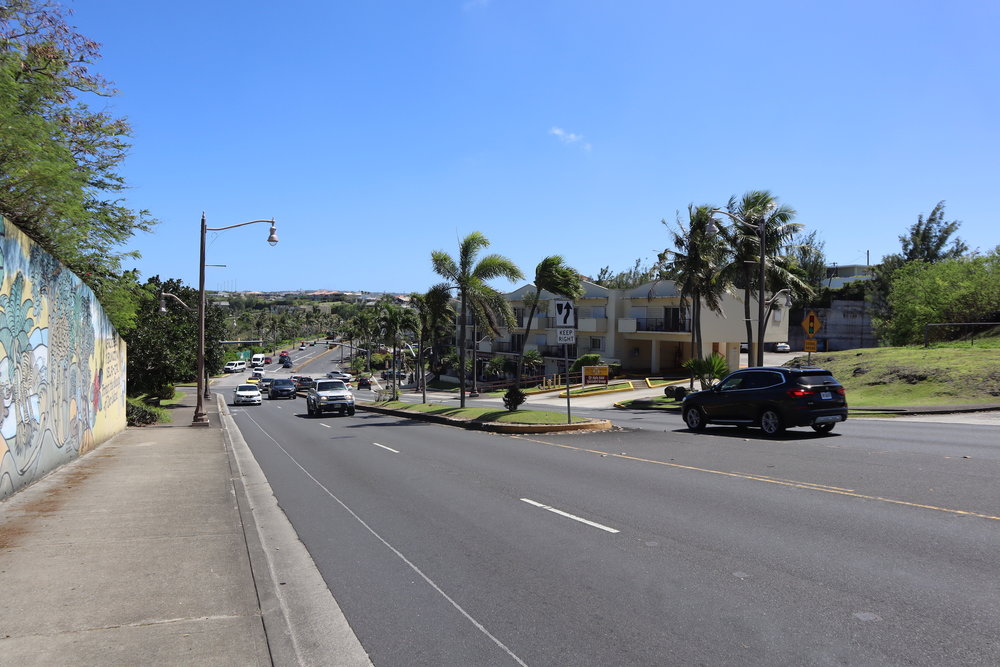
<point x="813" y="380"/>
<point x="734" y="382"/>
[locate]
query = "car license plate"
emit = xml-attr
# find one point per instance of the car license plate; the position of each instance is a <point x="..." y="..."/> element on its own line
<point x="825" y="395"/>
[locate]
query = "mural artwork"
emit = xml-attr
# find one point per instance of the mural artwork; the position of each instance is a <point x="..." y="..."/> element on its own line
<point x="62" y="365"/>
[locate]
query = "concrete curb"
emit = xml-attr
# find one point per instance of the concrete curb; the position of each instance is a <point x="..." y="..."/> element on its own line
<point x="303" y="622"/>
<point x="592" y="425"/>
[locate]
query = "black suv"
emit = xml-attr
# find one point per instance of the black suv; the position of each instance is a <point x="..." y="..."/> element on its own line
<point x="770" y="397"/>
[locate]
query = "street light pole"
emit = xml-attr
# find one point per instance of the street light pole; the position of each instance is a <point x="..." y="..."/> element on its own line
<point x="761" y="324"/>
<point x="200" y="417"/>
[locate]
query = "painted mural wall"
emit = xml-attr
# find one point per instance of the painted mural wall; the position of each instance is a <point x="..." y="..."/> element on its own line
<point x="62" y="365"/>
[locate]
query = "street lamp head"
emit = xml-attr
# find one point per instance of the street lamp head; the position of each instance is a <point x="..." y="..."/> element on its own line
<point x="272" y="238"/>
<point x="163" y="304"/>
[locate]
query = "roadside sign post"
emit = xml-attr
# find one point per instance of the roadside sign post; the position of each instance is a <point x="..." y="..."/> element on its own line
<point x="566" y="334"/>
<point x="811" y="325"/>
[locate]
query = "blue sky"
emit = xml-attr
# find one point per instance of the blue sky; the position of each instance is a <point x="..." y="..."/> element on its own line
<point x="375" y="132"/>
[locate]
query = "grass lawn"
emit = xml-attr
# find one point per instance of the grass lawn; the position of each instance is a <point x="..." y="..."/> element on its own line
<point x="948" y="374"/>
<point x="483" y="414"/>
<point x="902" y="376"/>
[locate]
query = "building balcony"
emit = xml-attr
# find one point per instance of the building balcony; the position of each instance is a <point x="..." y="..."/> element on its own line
<point x="652" y="325"/>
<point x="592" y="324"/>
<point x="557" y="351"/>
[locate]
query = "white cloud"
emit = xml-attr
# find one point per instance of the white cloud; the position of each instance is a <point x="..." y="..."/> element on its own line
<point x="569" y="137"/>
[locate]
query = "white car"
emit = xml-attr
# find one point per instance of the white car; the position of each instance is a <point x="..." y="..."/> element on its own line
<point x="782" y="347"/>
<point x="246" y="394"/>
<point x="340" y="375"/>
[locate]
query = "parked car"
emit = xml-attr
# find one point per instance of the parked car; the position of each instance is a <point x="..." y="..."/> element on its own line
<point x="782" y="347"/>
<point x="389" y="373"/>
<point x="303" y="382"/>
<point x="340" y="375"/>
<point x="246" y="394"/>
<point x="329" y="395"/>
<point x="281" y="388"/>
<point x="770" y="397"/>
<point x="364" y="383"/>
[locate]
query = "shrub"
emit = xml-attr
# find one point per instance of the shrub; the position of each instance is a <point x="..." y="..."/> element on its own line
<point x="707" y="370"/>
<point x="513" y="399"/>
<point x="138" y="413"/>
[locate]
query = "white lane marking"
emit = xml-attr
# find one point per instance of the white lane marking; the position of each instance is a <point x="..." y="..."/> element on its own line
<point x="569" y="516"/>
<point x="325" y="425"/>
<point x="394" y="451"/>
<point x="479" y="626"/>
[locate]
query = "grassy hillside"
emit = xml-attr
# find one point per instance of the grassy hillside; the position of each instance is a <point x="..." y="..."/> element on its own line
<point x="898" y="376"/>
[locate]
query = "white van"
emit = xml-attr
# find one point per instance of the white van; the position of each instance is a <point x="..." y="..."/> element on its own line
<point x="257" y="360"/>
<point x="235" y="366"/>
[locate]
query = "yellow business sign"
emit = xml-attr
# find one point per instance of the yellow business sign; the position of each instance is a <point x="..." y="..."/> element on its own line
<point x="809" y="345"/>
<point x="595" y="375"/>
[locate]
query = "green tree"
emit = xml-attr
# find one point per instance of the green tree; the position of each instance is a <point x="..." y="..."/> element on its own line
<point x="637" y="275"/>
<point x="929" y="241"/>
<point x="552" y="275"/>
<point x="163" y="346"/>
<point x="958" y="289"/>
<point x="495" y="366"/>
<point x="757" y="210"/>
<point x="470" y="277"/>
<point x="393" y="321"/>
<point x="809" y="259"/>
<point x="434" y="313"/>
<point x="59" y="159"/>
<point x="696" y="264"/>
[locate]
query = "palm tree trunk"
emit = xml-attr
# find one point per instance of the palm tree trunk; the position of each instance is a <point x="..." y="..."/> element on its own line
<point x="749" y="324"/>
<point x="524" y="343"/>
<point x="461" y="355"/>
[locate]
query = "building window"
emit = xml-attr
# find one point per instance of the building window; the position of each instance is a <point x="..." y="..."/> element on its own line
<point x="596" y="343"/>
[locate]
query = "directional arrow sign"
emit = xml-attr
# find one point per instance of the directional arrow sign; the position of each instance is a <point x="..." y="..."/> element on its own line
<point x="564" y="314"/>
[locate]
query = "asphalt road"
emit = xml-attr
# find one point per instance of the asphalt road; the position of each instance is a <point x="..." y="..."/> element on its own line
<point x="877" y="544"/>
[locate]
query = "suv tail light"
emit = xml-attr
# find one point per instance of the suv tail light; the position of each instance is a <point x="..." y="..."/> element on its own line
<point x="799" y="393"/>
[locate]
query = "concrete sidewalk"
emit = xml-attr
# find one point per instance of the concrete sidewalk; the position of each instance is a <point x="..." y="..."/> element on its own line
<point x="163" y="546"/>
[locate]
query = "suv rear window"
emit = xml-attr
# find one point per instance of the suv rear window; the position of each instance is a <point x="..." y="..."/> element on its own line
<point x="282" y="383"/>
<point x="813" y="380"/>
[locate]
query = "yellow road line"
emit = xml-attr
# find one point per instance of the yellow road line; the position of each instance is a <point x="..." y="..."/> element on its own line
<point x="809" y="486"/>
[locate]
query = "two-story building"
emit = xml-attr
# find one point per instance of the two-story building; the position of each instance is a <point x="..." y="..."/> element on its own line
<point x="646" y="329"/>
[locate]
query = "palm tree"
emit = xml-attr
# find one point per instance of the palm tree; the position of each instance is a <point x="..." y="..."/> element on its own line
<point x="553" y="276"/>
<point x="432" y="308"/>
<point x="695" y="265"/>
<point x="393" y="320"/>
<point x="758" y="218"/>
<point x="532" y="360"/>
<point x="469" y="277"/>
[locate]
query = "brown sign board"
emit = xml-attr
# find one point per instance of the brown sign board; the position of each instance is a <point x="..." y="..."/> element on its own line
<point x="595" y="375"/>
<point x="809" y="345"/>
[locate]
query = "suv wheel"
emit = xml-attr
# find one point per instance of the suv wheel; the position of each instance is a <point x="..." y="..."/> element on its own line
<point x="823" y="428"/>
<point x="350" y="411"/>
<point x="694" y="418"/>
<point x="771" y="423"/>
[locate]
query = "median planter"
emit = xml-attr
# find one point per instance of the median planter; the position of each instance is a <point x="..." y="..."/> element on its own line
<point x="492" y="427"/>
